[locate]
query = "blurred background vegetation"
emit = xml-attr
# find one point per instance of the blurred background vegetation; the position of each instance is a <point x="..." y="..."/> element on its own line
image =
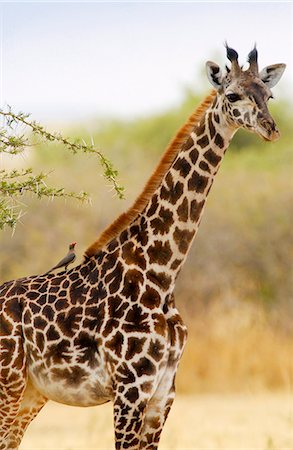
<point x="235" y="291"/>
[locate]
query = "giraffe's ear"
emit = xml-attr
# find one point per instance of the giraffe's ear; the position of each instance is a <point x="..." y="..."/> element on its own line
<point x="270" y="75"/>
<point x="214" y="74"/>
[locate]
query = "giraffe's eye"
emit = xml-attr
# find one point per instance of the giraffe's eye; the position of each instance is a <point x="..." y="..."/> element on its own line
<point x="233" y="97"/>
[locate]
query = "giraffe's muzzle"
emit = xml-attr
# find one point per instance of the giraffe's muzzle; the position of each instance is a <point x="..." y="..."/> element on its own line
<point x="268" y="130"/>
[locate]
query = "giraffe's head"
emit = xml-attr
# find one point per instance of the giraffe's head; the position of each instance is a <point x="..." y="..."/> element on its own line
<point x="244" y="94"/>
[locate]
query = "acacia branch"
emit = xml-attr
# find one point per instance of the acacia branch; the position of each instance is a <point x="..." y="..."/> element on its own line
<point x="15" y="183"/>
<point x="75" y="147"/>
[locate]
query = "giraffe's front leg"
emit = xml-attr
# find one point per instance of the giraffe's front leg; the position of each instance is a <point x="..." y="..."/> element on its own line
<point x="128" y="422"/>
<point x="135" y="381"/>
<point x="133" y="393"/>
<point x="160" y="404"/>
<point x="157" y="412"/>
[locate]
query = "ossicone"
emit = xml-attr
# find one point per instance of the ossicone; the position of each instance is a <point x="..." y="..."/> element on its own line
<point x="232" y="55"/>
<point x="252" y="59"/>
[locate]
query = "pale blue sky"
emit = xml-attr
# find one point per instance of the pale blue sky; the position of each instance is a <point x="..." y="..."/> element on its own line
<point x="71" y="61"/>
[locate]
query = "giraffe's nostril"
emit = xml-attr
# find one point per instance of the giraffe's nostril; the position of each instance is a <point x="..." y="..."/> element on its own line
<point x="268" y="125"/>
<point x="271" y="131"/>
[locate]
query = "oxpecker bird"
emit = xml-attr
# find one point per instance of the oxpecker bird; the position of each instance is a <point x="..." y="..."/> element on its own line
<point x="68" y="259"/>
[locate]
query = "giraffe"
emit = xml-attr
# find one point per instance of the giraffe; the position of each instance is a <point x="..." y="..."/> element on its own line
<point x="109" y="329"/>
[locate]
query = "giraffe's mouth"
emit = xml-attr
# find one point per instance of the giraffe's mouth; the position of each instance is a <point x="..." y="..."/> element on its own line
<point x="268" y="132"/>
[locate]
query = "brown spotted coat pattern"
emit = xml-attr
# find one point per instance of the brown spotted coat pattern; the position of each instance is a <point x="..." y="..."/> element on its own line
<point x="108" y="329"/>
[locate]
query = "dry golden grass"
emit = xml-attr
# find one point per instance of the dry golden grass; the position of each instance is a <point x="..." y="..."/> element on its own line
<point x="232" y="348"/>
<point x="204" y="422"/>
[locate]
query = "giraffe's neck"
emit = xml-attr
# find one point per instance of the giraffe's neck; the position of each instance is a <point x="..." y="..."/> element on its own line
<point x="167" y="226"/>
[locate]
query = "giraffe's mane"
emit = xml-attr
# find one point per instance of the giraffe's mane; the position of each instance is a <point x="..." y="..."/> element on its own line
<point x="154" y="181"/>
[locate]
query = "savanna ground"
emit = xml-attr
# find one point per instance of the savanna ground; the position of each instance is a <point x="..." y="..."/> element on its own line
<point x="202" y="422"/>
<point x="235" y="292"/>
